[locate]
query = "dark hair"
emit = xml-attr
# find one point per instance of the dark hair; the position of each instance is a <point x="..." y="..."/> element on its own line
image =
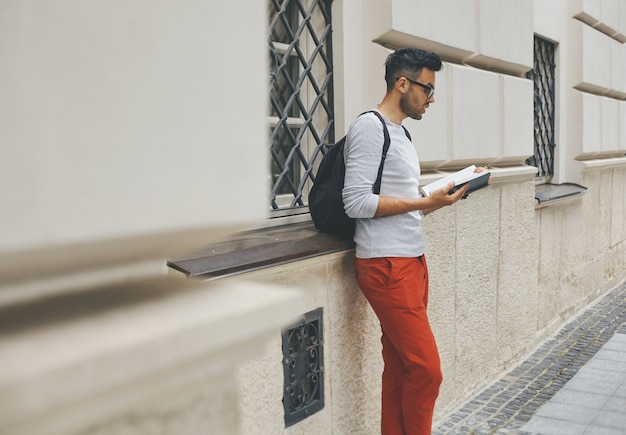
<point x="409" y="60"/>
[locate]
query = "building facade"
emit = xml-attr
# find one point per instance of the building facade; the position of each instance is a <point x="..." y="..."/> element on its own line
<point x="536" y="91"/>
<point x="156" y="250"/>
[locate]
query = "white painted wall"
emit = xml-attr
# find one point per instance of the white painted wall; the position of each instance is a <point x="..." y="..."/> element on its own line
<point x="622" y="126"/>
<point x="618" y="66"/>
<point x="596" y="49"/>
<point x="504" y="35"/>
<point x="129" y="132"/>
<point x="447" y="31"/>
<point x="467" y="121"/>
<point x="122" y="124"/>
<point x="590" y="57"/>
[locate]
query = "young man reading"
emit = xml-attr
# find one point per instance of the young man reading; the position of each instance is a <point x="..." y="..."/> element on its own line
<point x="390" y="264"/>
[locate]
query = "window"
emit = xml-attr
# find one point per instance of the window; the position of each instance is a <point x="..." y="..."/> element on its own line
<point x="543" y="75"/>
<point x="301" y="98"/>
<point x="544" y="100"/>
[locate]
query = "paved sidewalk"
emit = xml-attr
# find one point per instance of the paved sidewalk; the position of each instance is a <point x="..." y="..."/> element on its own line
<point x="593" y="402"/>
<point x="575" y="383"/>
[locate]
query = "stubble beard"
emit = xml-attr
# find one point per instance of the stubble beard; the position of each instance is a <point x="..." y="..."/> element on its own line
<point x="410" y="110"/>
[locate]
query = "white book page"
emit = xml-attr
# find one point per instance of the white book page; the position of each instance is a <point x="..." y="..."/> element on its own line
<point x="459" y="177"/>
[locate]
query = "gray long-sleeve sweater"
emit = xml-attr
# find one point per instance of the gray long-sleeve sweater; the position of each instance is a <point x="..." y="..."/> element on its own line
<point x="389" y="236"/>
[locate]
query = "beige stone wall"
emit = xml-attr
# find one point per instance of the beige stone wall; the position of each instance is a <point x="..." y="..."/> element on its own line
<point x="482" y="257"/>
<point x="582" y="246"/>
<point x="352" y="362"/>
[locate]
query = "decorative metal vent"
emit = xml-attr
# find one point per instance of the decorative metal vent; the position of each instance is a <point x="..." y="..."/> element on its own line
<point x="303" y="365"/>
<point x="301" y="96"/>
<point x="544" y="89"/>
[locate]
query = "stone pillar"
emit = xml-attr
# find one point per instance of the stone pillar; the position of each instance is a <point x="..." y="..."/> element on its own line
<point x="121" y="145"/>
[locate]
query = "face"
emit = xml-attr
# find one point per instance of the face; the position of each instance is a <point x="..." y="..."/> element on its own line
<point x="415" y="101"/>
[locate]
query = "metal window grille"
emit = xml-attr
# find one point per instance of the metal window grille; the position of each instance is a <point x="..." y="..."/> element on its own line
<point x="301" y="97"/>
<point x="303" y="365"/>
<point x="544" y="91"/>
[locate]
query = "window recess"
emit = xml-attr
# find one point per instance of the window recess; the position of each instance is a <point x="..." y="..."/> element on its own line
<point x="301" y="98"/>
<point x="544" y="102"/>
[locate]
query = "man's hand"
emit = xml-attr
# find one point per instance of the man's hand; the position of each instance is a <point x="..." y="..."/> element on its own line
<point x="441" y="198"/>
<point x="388" y="206"/>
<point x="448" y="198"/>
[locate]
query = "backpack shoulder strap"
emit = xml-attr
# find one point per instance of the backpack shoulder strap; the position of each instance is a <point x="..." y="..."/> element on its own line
<point x="386" y="144"/>
<point x="408" y="135"/>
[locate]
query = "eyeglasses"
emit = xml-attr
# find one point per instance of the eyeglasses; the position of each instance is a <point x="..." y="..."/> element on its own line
<point x="430" y="91"/>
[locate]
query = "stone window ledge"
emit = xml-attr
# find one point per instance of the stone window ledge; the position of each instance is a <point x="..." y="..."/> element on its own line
<point x="548" y="193"/>
<point x="602" y="164"/>
<point x="259" y="249"/>
<point x="267" y="247"/>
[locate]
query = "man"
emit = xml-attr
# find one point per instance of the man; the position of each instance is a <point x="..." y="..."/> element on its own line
<point x="390" y="264"/>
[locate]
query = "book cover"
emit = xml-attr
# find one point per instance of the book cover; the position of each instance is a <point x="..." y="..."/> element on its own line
<point x="476" y="180"/>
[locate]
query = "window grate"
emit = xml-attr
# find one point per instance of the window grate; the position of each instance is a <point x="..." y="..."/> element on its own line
<point x="544" y="98"/>
<point x="303" y="365"/>
<point x="301" y="96"/>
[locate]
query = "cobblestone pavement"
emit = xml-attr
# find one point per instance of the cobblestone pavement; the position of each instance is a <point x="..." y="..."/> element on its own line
<point x="509" y="404"/>
<point x="593" y="402"/>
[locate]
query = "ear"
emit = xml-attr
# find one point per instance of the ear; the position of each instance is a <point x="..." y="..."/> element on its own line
<point x="403" y="85"/>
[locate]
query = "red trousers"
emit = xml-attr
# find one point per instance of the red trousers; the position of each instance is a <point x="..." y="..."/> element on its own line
<point x="397" y="290"/>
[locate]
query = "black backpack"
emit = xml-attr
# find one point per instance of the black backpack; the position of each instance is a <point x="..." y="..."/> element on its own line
<point x="325" y="201"/>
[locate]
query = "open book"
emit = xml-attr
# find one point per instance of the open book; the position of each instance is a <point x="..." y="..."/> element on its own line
<point x="476" y="180"/>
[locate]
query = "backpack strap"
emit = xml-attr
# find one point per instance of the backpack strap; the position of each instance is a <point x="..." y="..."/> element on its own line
<point x="386" y="145"/>
<point x="408" y="135"/>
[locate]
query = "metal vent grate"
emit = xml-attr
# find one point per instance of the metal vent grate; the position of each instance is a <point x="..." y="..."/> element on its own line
<point x="303" y="365"/>
<point x="301" y="96"/>
<point x="544" y="91"/>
